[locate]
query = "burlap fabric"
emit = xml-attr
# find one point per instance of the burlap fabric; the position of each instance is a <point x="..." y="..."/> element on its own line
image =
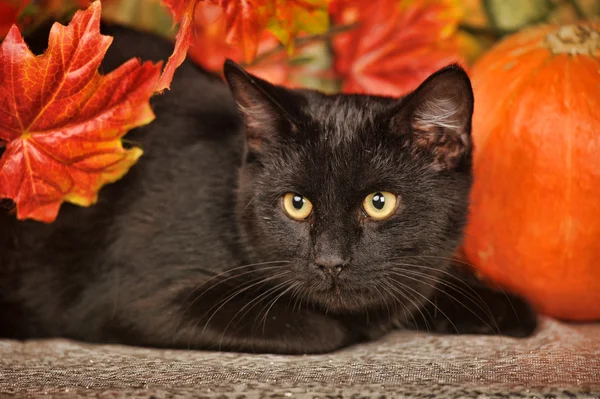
<point x="560" y="361"/>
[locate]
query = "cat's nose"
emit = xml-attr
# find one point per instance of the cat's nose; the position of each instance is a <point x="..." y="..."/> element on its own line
<point x="331" y="264"/>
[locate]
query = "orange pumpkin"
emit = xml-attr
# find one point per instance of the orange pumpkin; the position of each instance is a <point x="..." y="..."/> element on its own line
<point x="534" y="224"/>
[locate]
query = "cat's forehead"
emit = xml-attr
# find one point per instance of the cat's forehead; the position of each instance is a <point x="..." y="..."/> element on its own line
<point x="344" y="118"/>
<point x="344" y="146"/>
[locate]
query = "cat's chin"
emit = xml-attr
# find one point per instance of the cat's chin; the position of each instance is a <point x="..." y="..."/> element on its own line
<point x="344" y="301"/>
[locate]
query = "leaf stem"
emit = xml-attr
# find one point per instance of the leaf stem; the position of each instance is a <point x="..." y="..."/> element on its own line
<point x="489" y="13"/>
<point x="301" y="41"/>
<point x="497" y="33"/>
<point x="578" y="9"/>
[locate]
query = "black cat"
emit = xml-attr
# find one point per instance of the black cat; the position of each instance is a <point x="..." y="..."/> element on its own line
<point x="290" y="222"/>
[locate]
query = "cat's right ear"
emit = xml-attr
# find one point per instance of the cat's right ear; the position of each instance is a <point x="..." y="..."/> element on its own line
<point x="437" y="118"/>
<point x="259" y="103"/>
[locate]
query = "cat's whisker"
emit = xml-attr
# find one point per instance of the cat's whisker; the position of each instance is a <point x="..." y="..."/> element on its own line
<point x="393" y="295"/>
<point x="451" y="296"/>
<point x="249" y="202"/>
<point x="295" y="296"/>
<point x="417" y="257"/>
<point x="488" y="312"/>
<point x="497" y="287"/>
<point x="272" y="292"/>
<point x="490" y="282"/>
<point x="229" y="271"/>
<point x="303" y="296"/>
<point x="255" y="301"/>
<point x="450" y="284"/>
<point x="404" y="295"/>
<point x="437" y="270"/>
<point x="264" y="318"/>
<point x="441" y="280"/>
<point x="448" y="258"/>
<point x="430" y="302"/>
<point x="222" y="302"/>
<point x="383" y="300"/>
<point x="238" y="292"/>
<point x="199" y="319"/>
<point x="460" y="261"/>
<point x="254" y="270"/>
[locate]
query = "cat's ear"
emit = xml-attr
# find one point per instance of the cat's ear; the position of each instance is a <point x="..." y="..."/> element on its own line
<point x="259" y="103"/>
<point x="437" y="117"/>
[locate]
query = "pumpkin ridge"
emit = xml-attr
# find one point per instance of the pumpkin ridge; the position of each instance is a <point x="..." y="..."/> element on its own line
<point x="510" y="108"/>
<point x="523" y="85"/>
<point x="569" y="123"/>
<point x="518" y="89"/>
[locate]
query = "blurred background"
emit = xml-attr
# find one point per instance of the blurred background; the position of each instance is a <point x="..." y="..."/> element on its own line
<point x="371" y="46"/>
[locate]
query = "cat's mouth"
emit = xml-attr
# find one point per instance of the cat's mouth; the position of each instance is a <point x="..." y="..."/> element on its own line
<point x="337" y="297"/>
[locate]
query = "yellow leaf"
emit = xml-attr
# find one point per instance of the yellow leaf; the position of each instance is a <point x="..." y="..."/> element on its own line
<point x="292" y="17"/>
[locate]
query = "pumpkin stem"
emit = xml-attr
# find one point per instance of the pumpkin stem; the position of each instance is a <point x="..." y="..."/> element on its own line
<point x="573" y="39"/>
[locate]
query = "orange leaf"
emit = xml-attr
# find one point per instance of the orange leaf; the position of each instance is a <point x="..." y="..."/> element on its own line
<point x="245" y="22"/>
<point x="62" y="121"/>
<point x="183" y="13"/>
<point x="395" y="45"/>
<point x="294" y="16"/>
<point x="9" y="11"/>
<point x="210" y="49"/>
<point x="237" y="25"/>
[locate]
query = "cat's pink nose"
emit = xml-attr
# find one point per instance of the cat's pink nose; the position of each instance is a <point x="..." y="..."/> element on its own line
<point x="331" y="264"/>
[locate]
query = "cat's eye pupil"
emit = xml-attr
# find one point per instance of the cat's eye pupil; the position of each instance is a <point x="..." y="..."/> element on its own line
<point x="378" y="201"/>
<point x="298" y="202"/>
<point x="296" y="206"/>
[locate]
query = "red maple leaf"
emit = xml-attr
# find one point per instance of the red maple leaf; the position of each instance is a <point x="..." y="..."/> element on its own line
<point x="9" y="11"/>
<point x="62" y="121"/>
<point x="395" y="45"/>
<point x="245" y="21"/>
<point x="238" y="27"/>
<point x="210" y="48"/>
<point x="183" y="14"/>
<point x="240" y="23"/>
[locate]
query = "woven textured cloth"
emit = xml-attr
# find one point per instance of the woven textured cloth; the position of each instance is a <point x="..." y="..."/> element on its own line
<point x="560" y="361"/>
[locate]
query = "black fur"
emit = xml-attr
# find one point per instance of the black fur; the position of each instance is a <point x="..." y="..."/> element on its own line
<point x="162" y="259"/>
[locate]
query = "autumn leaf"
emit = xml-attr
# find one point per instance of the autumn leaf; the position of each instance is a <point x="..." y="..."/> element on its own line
<point x="395" y="45"/>
<point x="9" y="12"/>
<point x="245" y="21"/>
<point x="295" y="16"/>
<point x="210" y="47"/>
<point x="62" y="121"/>
<point x="240" y="24"/>
<point x="183" y="14"/>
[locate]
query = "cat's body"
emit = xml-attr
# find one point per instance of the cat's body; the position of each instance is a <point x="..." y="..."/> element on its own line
<point x="139" y="267"/>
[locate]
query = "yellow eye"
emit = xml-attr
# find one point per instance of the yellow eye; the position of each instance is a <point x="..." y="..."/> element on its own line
<point x="380" y="205"/>
<point x="296" y="206"/>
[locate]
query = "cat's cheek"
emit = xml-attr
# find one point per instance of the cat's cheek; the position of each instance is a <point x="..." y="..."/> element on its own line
<point x="275" y="235"/>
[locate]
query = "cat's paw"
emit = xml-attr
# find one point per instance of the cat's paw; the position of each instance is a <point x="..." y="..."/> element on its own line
<point x="301" y="333"/>
<point x="480" y="310"/>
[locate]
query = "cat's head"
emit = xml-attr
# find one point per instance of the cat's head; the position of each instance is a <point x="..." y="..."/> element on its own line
<point x="364" y="197"/>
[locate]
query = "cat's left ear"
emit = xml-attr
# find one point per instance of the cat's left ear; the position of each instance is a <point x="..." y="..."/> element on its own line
<point x="437" y="117"/>
<point x="260" y="104"/>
